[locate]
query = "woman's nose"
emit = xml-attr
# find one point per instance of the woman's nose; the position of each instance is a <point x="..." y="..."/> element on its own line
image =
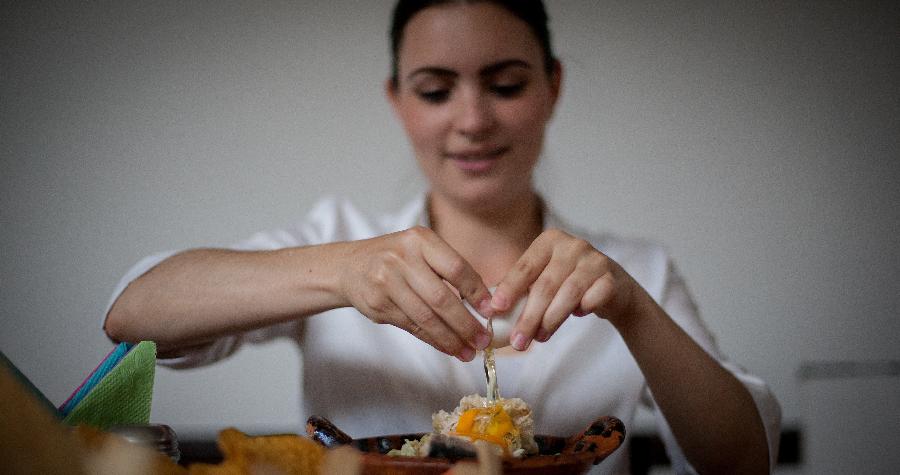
<point x="475" y="116"/>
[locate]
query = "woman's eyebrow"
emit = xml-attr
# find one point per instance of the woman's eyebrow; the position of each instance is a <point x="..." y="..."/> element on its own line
<point x="501" y="65"/>
<point x="432" y="70"/>
<point x="485" y="71"/>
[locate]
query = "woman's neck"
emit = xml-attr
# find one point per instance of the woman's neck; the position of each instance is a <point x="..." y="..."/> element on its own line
<point x="490" y="239"/>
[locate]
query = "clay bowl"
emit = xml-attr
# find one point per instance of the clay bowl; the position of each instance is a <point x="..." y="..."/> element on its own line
<point x="557" y="455"/>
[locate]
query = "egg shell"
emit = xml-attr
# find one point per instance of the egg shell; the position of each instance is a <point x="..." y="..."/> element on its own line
<point x="502" y="324"/>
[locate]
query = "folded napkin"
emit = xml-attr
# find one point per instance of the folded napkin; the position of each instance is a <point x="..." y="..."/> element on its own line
<point x="118" y="392"/>
<point x="106" y="365"/>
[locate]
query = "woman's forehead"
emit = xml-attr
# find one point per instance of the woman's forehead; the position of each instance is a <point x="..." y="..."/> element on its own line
<point x="463" y="36"/>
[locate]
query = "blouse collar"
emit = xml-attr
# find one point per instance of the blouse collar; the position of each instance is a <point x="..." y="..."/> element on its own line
<point x="418" y="208"/>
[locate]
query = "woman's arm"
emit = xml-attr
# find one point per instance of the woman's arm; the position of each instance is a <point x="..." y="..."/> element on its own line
<point x="398" y="279"/>
<point x="711" y="414"/>
<point x="198" y="295"/>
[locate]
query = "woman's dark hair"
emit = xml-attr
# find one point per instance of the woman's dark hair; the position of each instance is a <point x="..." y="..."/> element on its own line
<point x="532" y="12"/>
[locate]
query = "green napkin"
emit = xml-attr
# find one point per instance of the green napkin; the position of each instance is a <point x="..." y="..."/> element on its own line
<point x="124" y="395"/>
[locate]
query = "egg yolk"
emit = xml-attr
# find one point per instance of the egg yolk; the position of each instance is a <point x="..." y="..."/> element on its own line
<point x="491" y="424"/>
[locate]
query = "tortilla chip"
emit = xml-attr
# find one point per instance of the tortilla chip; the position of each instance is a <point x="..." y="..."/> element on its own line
<point x="286" y="454"/>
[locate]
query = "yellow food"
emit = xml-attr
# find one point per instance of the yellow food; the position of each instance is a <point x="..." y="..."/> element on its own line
<point x="491" y="424"/>
<point x="505" y="425"/>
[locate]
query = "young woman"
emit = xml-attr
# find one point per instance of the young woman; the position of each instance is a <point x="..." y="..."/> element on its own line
<point x="474" y="85"/>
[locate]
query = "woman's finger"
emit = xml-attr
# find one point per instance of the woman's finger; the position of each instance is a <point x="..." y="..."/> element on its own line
<point x="516" y="282"/>
<point x="599" y="294"/>
<point x="427" y="325"/>
<point x="542" y="292"/>
<point x="450" y="266"/>
<point x="566" y="301"/>
<point x="441" y="300"/>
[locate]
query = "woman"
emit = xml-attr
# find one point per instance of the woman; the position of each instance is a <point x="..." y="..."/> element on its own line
<point x="474" y="85"/>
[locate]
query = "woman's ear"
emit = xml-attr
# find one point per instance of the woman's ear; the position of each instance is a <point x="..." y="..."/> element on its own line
<point x="556" y="75"/>
<point x="390" y="91"/>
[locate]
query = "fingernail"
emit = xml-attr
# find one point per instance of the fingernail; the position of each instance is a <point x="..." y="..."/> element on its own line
<point x="484" y="307"/>
<point x="466" y="355"/>
<point x="542" y="335"/>
<point x="519" y="342"/>
<point x="482" y="340"/>
<point x="499" y="302"/>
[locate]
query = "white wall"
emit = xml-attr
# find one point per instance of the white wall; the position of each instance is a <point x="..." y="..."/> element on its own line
<point x="758" y="140"/>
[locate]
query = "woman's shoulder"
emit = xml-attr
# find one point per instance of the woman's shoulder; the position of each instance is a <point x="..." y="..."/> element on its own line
<point x="615" y="245"/>
<point x="338" y="218"/>
<point x="340" y="215"/>
<point x="647" y="260"/>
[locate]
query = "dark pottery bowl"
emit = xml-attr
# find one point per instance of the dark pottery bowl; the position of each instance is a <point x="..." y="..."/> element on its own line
<point x="556" y="455"/>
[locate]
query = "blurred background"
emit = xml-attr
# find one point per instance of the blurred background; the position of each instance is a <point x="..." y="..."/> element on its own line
<point x="757" y="140"/>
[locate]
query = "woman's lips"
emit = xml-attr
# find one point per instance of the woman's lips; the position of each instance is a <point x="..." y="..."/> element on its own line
<point x="476" y="161"/>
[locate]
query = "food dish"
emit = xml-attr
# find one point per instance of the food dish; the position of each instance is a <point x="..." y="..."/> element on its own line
<point x="506" y="426"/>
<point x="493" y="429"/>
<point x="556" y="455"/>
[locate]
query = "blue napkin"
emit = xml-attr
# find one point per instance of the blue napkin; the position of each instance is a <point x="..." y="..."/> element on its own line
<point x="105" y="366"/>
<point x="119" y="391"/>
<point x="122" y="395"/>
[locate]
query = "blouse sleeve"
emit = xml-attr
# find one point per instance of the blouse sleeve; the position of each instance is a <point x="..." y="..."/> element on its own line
<point x="677" y="302"/>
<point x="221" y="347"/>
<point x="319" y="222"/>
<point x="197" y="356"/>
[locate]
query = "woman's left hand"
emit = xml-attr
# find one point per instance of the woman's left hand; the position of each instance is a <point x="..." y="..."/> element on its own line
<point x="563" y="275"/>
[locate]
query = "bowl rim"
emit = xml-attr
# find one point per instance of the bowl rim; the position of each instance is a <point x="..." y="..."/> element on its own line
<point x="369" y="447"/>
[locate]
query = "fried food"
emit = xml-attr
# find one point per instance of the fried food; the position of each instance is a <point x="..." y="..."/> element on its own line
<point x="286" y="454"/>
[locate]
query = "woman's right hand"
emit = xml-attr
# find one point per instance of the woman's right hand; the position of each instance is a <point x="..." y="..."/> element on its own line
<point x="401" y="279"/>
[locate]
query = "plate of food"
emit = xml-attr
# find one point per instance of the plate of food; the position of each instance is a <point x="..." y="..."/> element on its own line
<point x="502" y="428"/>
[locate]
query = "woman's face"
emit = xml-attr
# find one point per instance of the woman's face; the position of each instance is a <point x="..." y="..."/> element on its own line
<point x="474" y="97"/>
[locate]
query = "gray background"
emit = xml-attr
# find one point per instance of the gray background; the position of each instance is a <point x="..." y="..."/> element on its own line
<point x="757" y="140"/>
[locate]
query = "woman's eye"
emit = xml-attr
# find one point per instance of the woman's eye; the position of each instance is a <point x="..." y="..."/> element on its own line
<point x="435" y="96"/>
<point x="507" y="90"/>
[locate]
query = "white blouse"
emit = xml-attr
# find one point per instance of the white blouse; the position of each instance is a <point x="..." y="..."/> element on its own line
<point x="374" y="379"/>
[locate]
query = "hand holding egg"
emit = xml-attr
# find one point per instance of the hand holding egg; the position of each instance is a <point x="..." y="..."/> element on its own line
<point x="502" y="323"/>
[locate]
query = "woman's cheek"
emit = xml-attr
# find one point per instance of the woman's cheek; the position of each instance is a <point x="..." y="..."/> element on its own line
<point x="423" y="127"/>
